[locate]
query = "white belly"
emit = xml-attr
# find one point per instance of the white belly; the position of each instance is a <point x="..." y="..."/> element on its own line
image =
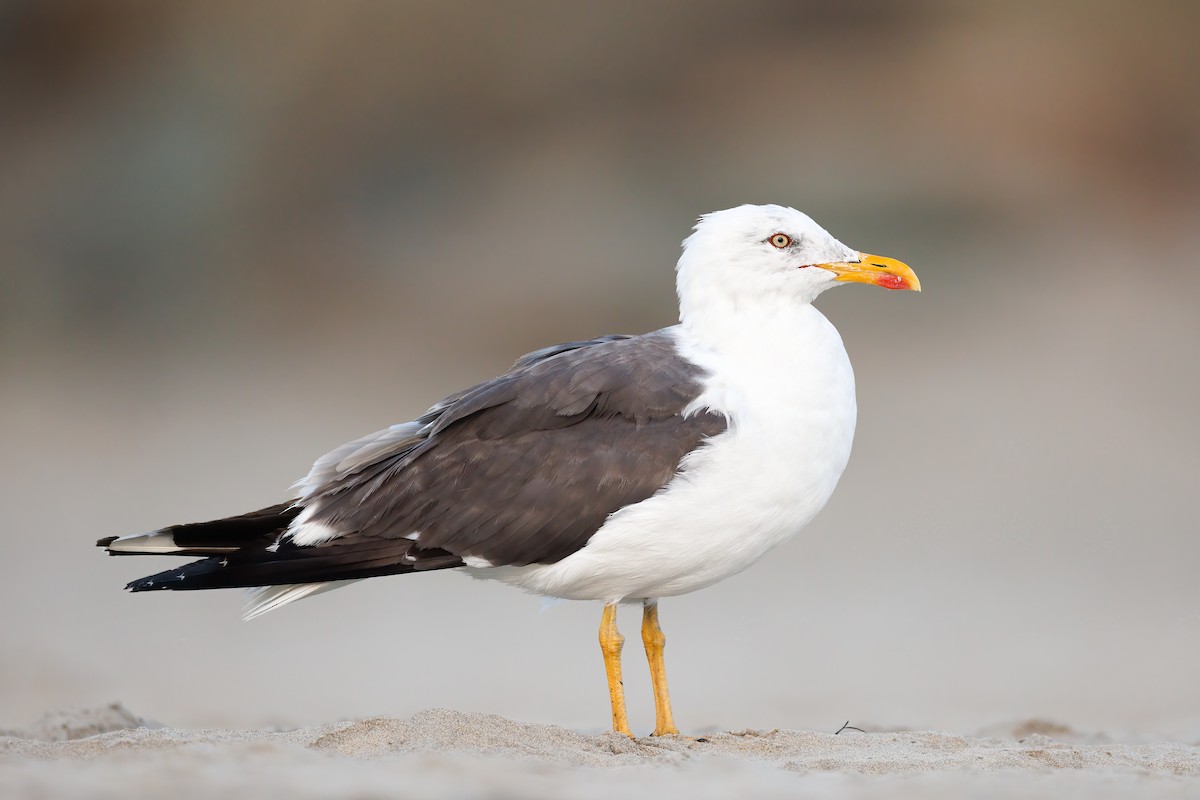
<point x="751" y="488"/>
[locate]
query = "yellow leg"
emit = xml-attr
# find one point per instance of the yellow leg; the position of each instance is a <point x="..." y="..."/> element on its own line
<point x="611" y="642"/>
<point x="655" y="641"/>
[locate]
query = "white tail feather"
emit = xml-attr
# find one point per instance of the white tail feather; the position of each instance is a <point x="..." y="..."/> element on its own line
<point x="152" y="543"/>
<point x="268" y="598"/>
<point x="161" y="543"/>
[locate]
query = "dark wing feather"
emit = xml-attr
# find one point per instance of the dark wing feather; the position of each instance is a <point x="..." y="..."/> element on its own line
<point x="344" y="558"/>
<point x="525" y="468"/>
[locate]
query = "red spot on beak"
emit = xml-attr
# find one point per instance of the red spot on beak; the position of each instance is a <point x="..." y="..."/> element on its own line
<point x="891" y="281"/>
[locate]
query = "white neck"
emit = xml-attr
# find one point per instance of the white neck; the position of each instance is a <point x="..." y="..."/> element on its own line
<point x="727" y="323"/>
<point x="782" y="361"/>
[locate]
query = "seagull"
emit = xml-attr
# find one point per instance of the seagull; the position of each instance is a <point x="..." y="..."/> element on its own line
<point x="620" y="469"/>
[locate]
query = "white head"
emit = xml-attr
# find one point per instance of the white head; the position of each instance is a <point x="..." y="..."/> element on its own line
<point x="750" y="258"/>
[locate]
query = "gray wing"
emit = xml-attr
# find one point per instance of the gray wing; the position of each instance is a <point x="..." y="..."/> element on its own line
<point x="526" y="467"/>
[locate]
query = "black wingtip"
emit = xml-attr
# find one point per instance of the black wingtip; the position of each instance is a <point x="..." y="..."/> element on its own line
<point x="140" y="585"/>
<point x="106" y="541"/>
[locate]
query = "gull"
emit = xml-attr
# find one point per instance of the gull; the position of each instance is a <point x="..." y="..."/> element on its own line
<point x="620" y="469"/>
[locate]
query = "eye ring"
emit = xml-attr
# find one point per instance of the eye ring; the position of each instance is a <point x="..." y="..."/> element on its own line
<point x="780" y="240"/>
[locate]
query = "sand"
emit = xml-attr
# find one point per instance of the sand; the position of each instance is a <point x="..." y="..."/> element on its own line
<point x="109" y="752"/>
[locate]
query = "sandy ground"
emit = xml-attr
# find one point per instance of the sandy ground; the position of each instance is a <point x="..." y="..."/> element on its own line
<point x="109" y="752"/>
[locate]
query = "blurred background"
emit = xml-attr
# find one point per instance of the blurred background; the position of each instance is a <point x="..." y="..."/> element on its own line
<point x="235" y="235"/>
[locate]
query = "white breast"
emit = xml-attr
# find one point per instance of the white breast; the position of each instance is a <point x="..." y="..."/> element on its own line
<point x="788" y="390"/>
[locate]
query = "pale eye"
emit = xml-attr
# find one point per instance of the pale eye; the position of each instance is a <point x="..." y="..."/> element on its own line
<point x="780" y="240"/>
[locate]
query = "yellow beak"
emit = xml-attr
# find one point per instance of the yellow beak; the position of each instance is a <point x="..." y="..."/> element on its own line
<point x="879" y="270"/>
